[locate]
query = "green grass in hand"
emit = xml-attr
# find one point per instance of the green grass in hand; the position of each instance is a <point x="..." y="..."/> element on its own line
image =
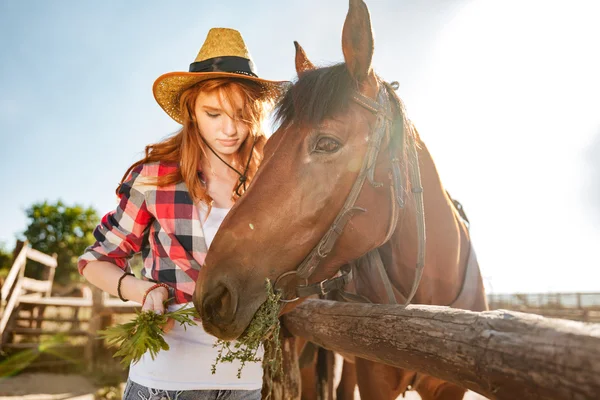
<point x="144" y="334"/>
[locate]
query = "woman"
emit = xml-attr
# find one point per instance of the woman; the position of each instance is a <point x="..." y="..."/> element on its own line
<point x="171" y="204"/>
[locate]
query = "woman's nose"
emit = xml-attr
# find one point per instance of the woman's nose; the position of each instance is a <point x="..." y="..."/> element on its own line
<point x="229" y="126"/>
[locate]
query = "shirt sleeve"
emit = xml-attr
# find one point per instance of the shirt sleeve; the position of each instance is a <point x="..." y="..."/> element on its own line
<point x="120" y="233"/>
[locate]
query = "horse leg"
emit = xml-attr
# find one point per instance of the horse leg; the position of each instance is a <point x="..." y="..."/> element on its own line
<point x="317" y="377"/>
<point x="379" y="381"/>
<point x="430" y="388"/>
<point x="308" y="373"/>
<point x="345" y="390"/>
<point x="308" y="378"/>
<point x="325" y="365"/>
<point x="316" y="371"/>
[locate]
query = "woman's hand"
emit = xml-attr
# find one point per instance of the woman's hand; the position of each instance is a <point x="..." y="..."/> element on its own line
<point x="155" y="300"/>
<point x="105" y="275"/>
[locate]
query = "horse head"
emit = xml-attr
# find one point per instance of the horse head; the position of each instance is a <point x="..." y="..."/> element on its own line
<point x="327" y="192"/>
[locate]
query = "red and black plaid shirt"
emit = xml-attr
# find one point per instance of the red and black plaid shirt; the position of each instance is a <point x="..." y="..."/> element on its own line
<point x="162" y="223"/>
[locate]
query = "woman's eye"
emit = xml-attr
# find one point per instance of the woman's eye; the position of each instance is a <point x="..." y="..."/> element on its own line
<point x="212" y="115"/>
<point x="327" y="145"/>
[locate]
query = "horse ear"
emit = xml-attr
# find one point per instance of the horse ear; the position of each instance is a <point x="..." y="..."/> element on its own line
<point x="357" y="40"/>
<point x="303" y="64"/>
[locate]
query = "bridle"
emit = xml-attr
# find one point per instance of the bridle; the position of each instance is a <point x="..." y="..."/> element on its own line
<point x="382" y="109"/>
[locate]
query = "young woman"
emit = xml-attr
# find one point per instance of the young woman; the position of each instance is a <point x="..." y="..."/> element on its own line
<point x="171" y="204"/>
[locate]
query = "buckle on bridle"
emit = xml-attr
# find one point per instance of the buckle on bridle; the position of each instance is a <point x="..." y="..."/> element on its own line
<point x="323" y="292"/>
<point x="276" y="290"/>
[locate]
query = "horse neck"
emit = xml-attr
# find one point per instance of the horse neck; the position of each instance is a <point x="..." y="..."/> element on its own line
<point x="447" y="241"/>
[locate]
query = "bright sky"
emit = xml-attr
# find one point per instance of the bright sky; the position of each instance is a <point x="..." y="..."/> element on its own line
<point x="505" y="94"/>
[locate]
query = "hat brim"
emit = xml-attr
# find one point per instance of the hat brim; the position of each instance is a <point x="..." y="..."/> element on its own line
<point x="168" y="87"/>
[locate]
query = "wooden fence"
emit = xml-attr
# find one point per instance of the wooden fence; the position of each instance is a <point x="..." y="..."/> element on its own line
<point x="499" y="354"/>
<point x="574" y="306"/>
<point x="29" y="314"/>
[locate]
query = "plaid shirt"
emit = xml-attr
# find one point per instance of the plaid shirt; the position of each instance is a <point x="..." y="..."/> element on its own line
<point x="161" y="222"/>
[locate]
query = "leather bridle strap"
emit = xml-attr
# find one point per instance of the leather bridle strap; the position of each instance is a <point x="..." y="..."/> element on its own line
<point x="382" y="127"/>
<point x="382" y="110"/>
<point x="417" y="190"/>
<point x="325" y="286"/>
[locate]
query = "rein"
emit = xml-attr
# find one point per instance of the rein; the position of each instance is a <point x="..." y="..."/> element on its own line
<point x="383" y="128"/>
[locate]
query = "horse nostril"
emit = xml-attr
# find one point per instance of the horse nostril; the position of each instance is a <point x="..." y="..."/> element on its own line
<point x="219" y="305"/>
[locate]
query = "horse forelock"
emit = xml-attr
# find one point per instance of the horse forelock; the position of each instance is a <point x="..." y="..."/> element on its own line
<point x="316" y="96"/>
<point x="326" y="92"/>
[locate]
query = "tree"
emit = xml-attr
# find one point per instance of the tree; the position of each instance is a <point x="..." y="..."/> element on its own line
<point x="5" y="261"/>
<point x="58" y="228"/>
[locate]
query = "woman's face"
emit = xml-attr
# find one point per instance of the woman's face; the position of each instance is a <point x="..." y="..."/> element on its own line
<point x="220" y="123"/>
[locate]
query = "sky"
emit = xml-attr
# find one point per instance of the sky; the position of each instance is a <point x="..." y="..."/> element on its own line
<point x="506" y="95"/>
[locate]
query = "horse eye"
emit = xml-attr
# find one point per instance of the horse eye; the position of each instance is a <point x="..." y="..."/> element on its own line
<point x="327" y="145"/>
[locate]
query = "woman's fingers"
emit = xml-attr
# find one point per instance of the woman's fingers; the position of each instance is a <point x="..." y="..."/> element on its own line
<point x="169" y="325"/>
<point x="157" y="304"/>
<point x="154" y="302"/>
<point x="148" y="304"/>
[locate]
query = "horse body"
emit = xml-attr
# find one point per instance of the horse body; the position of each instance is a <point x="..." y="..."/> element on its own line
<point x="310" y="166"/>
<point x="445" y="275"/>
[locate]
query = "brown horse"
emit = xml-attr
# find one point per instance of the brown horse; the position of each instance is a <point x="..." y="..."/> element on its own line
<point x="340" y="125"/>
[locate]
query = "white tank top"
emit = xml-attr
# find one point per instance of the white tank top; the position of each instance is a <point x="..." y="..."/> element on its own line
<point x="187" y="364"/>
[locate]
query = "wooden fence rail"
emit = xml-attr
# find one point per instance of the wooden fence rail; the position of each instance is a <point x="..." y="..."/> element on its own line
<point x="24" y="300"/>
<point x="575" y="306"/>
<point x="499" y="354"/>
<point x="16" y="284"/>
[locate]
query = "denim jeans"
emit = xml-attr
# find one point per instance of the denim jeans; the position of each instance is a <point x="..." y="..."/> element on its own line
<point x="134" y="391"/>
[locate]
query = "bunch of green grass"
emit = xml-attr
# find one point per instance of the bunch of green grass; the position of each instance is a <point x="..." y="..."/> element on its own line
<point x="263" y="329"/>
<point x="144" y="334"/>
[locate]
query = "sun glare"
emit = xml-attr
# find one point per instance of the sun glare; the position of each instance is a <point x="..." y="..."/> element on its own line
<point x="514" y="90"/>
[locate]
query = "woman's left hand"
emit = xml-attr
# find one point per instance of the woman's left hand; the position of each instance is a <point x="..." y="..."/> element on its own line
<point x="154" y="301"/>
<point x="168" y="326"/>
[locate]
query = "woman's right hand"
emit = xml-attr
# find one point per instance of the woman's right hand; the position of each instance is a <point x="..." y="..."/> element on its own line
<point x="106" y="275"/>
<point x="155" y="300"/>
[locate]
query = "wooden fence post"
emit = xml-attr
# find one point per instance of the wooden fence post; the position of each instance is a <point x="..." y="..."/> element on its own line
<point x="284" y="386"/>
<point x="99" y="320"/>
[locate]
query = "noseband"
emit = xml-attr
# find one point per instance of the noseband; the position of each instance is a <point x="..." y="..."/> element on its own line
<point x="383" y="128"/>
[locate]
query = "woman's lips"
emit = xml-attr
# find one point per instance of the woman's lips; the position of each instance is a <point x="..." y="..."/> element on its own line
<point x="228" y="142"/>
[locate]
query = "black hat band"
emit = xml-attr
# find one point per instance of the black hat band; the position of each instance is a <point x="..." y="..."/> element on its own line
<point x="231" y="64"/>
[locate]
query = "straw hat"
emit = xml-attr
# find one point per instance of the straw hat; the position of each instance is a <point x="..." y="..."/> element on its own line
<point x="223" y="55"/>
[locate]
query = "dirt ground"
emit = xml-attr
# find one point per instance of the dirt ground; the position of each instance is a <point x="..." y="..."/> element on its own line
<point x="47" y="386"/>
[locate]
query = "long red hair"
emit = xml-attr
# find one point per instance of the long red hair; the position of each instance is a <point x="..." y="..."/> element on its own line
<point x="186" y="148"/>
